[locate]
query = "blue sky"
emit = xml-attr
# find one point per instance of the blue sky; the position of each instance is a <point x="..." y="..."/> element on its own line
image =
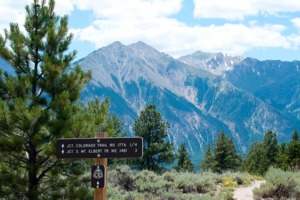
<point x="263" y="29"/>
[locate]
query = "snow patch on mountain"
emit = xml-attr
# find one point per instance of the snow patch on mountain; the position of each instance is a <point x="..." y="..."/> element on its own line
<point x="215" y="63"/>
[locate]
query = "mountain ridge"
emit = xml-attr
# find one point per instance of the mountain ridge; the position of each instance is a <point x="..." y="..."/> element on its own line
<point x="197" y="101"/>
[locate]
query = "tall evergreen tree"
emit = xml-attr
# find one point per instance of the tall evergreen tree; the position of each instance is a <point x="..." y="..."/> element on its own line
<point x="184" y="162"/>
<point x="38" y="105"/>
<point x="257" y="161"/>
<point x="264" y="154"/>
<point x="225" y="155"/>
<point x="157" y="151"/>
<point x="282" y="158"/>
<point x="208" y="162"/>
<point x="293" y="152"/>
<point x="271" y="146"/>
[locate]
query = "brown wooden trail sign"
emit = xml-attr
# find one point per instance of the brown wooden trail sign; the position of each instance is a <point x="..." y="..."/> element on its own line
<point x="99" y="148"/>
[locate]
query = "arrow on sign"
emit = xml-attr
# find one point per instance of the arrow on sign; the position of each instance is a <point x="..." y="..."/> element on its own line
<point x="62" y="146"/>
<point x="62" y="151"/>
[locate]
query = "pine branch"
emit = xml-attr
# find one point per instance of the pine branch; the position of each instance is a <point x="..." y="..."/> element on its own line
<point x="55" y="164"/>
<point x="19" y="158"/>
<point x="41" y="163"/>
<point x="10" y="163"/>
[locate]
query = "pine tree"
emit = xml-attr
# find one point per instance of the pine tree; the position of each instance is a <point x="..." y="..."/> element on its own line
<point x="208" y="162"/>
<point x="225" y="155"/>
<point x="184" y="162"/>
<point x="157" y="151"/>
<point x="282" y="158"/>
<point x="293" y="152"/>
<point x="222" y="157"/>
<point x="257" y="161"/>
<point x="264" y="154"/>
<point x="271" y="147"/>
<point x="38" y="105"/>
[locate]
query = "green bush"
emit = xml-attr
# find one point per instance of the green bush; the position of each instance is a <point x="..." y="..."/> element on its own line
<point x="225" y="194"/>
<point x="149" y="182"/>
<point x="123" y="178"/>
<point x="194" y="183"/>
<point x="125" y="184"/>
<point x="279" y="185"/>
<point x="238" y="177"/>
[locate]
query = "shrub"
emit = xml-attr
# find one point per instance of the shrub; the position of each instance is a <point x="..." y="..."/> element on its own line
<point x="236" y="178"/>
<point x="225" y="194"/>
<point x="194" y="183"/>
<point x="279" y="185"/>
<point x="148" y="181"/>
<point x="123" y="178"/>
<point x="125" y="185"/>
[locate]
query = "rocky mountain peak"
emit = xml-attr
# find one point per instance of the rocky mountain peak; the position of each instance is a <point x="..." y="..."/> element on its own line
<point x="215" y="63"/>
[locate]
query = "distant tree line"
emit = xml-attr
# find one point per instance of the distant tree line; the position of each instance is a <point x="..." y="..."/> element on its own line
<point x="261" y="156"/>
<point x="220" y="157"/>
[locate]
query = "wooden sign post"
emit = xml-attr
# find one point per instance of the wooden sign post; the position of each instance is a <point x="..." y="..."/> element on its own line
<point x="101" y="148"/>
<point x="101" y="193"/>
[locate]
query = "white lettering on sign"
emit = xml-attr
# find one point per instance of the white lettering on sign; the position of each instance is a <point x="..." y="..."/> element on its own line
<point x="133" y="144"/>
<point x="121" y="144"/>
<point x="70" y="151"/>
<point x="95" y="151"/>
<point x="101" y="145"/>
<point x="70" y="146"/>
<point x="114" y="150"/>
<point x="123" y="150"/>
<point x="85" y="145"/>
<point x="112" y="144"/>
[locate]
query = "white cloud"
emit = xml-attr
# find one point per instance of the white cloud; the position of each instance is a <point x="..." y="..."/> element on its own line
<point x="64" y="7"/>
<point x="296" y="22"/>
<point x="118" y="9"/>
<point x="12" y="11"/>
<point x="237" y="10"/>
<point x="151" y="21"/>
<point x="177" y="39"/>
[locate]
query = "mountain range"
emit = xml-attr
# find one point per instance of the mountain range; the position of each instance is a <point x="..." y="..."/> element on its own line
<point x="199" y="94"/>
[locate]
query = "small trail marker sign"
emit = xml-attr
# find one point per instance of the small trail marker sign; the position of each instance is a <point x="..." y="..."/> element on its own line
<point x="98" y="176"/>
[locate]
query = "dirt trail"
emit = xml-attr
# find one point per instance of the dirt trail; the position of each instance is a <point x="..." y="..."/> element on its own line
<point x="245" y="193"/>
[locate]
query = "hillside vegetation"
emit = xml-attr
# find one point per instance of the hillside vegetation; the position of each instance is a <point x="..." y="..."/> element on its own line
<point x="125" y="184"/>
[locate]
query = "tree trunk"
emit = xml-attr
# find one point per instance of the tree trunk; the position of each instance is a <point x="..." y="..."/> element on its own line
<point x="32" y="175"/>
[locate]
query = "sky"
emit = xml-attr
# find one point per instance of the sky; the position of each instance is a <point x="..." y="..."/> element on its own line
<point x="262" y="29"/>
